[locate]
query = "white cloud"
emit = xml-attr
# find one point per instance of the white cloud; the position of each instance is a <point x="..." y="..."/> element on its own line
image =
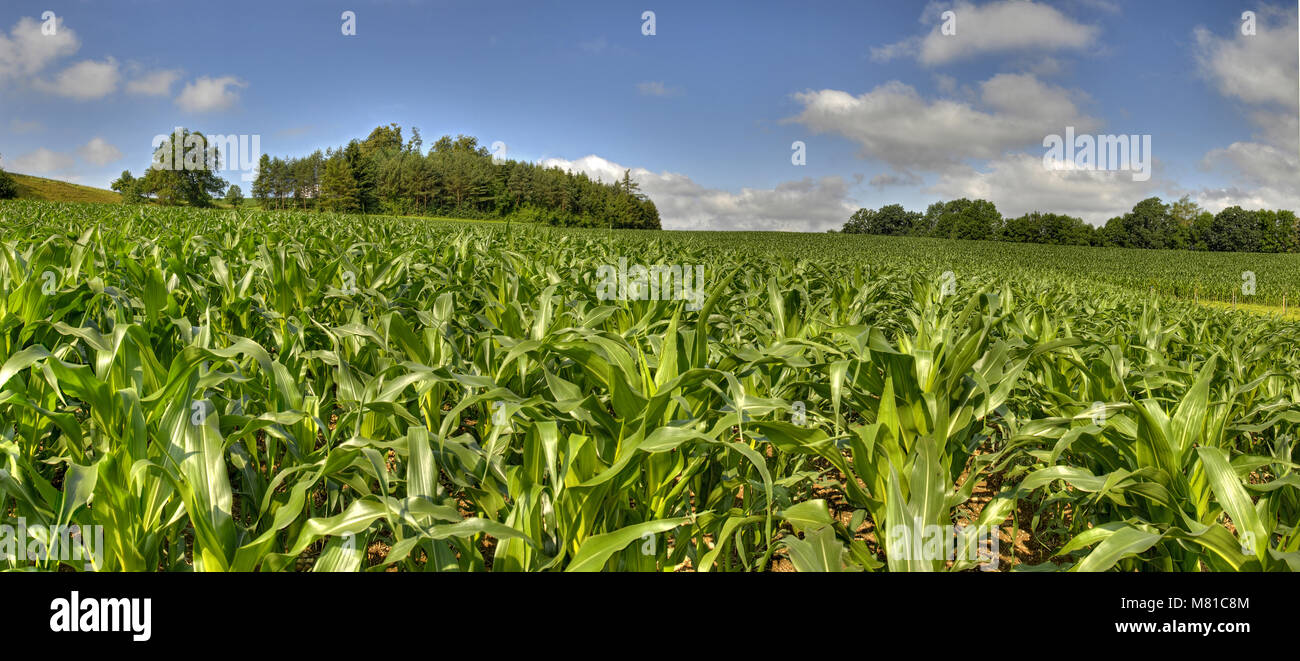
<point x="893" y="123"/>
<point x="1019" y="183"/>
<point x="1280" y="129"/>
<point x="84" y="80"/>
<point x="1264" y="176"/>
<point x="1215" y="200"/>
<point x="808" y="205"/>
<point x="99" y="152"/>
<point x="21" y="127"/>
<point x="1263" y="164"/>
<point x="946" y="84"/>
<point x="154" y="83"/>
<point x="904" y="48"/>
<point x="1002" y="26"/>
<point x="26" y="51"/>
<point x="209" y="94"/>
<point x="1259" y="69"/>
<point x="43" y="161"/>
<point x="656" y="88"/>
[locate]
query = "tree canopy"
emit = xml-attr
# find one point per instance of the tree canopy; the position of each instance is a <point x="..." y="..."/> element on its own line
<point x="1152" y="223"/>
<point x="456" y="177"/>
<point x="183" y="171"/>
<point x="384" y="174"/>
<point x="8" y="187"/>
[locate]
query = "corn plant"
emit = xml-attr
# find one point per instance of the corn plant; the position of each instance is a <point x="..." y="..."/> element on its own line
<point x="257" y="391"/>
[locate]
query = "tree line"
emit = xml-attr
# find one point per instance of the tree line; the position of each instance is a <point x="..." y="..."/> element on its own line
<point x="385" y="174"/>
<point x="1181" y="225"/>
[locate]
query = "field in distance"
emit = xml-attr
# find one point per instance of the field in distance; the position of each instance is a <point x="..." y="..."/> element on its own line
<point x="1259" y="282"/>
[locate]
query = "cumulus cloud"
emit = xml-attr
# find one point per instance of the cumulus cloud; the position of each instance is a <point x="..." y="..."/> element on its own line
<point x="1280" y="129"/>
<point x="946" y="84"/>
<point x="1263" y="175"/>
<point x="1264" y="164"/>
<point x="210" y="94"/>
<point x="1020" y="183"/>
<point x="99" y="152"/>
<point x="1258" y="69"/>
<point x="154" y="83"/>
<point x="1259" y="72"/>
<point x="808" y="205"/>
<point x="26" y="51"/>
<point x="84" y="80"/>
<point x="894" y="124"/>
<point x="43" y="161"/>
<point x="1215" y="200"/>
<point x="995" y="27"/>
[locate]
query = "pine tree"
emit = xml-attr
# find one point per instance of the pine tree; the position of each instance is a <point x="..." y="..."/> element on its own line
<point x="629" y="186"/>
<point x="262" y="184"/>
<point x="338" y="188"/>
<point x="456" y="177"/>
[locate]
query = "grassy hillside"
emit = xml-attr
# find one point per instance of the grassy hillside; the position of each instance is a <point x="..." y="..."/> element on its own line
<point x="40" y="188"/>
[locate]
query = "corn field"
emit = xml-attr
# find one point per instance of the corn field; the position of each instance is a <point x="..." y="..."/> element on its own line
<point x="263" y="391"/>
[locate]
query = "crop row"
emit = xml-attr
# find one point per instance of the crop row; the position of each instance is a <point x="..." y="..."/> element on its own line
<point x="261" y="391"/>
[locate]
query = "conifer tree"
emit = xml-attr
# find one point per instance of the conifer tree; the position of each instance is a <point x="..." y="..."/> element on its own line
<point x="338" y="188"/>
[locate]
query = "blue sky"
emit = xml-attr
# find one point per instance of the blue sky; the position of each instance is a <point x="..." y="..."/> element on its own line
<point x="705" y="110"/>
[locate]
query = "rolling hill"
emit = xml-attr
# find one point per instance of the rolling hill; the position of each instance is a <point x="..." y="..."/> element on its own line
<point x="40" y="188"/>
